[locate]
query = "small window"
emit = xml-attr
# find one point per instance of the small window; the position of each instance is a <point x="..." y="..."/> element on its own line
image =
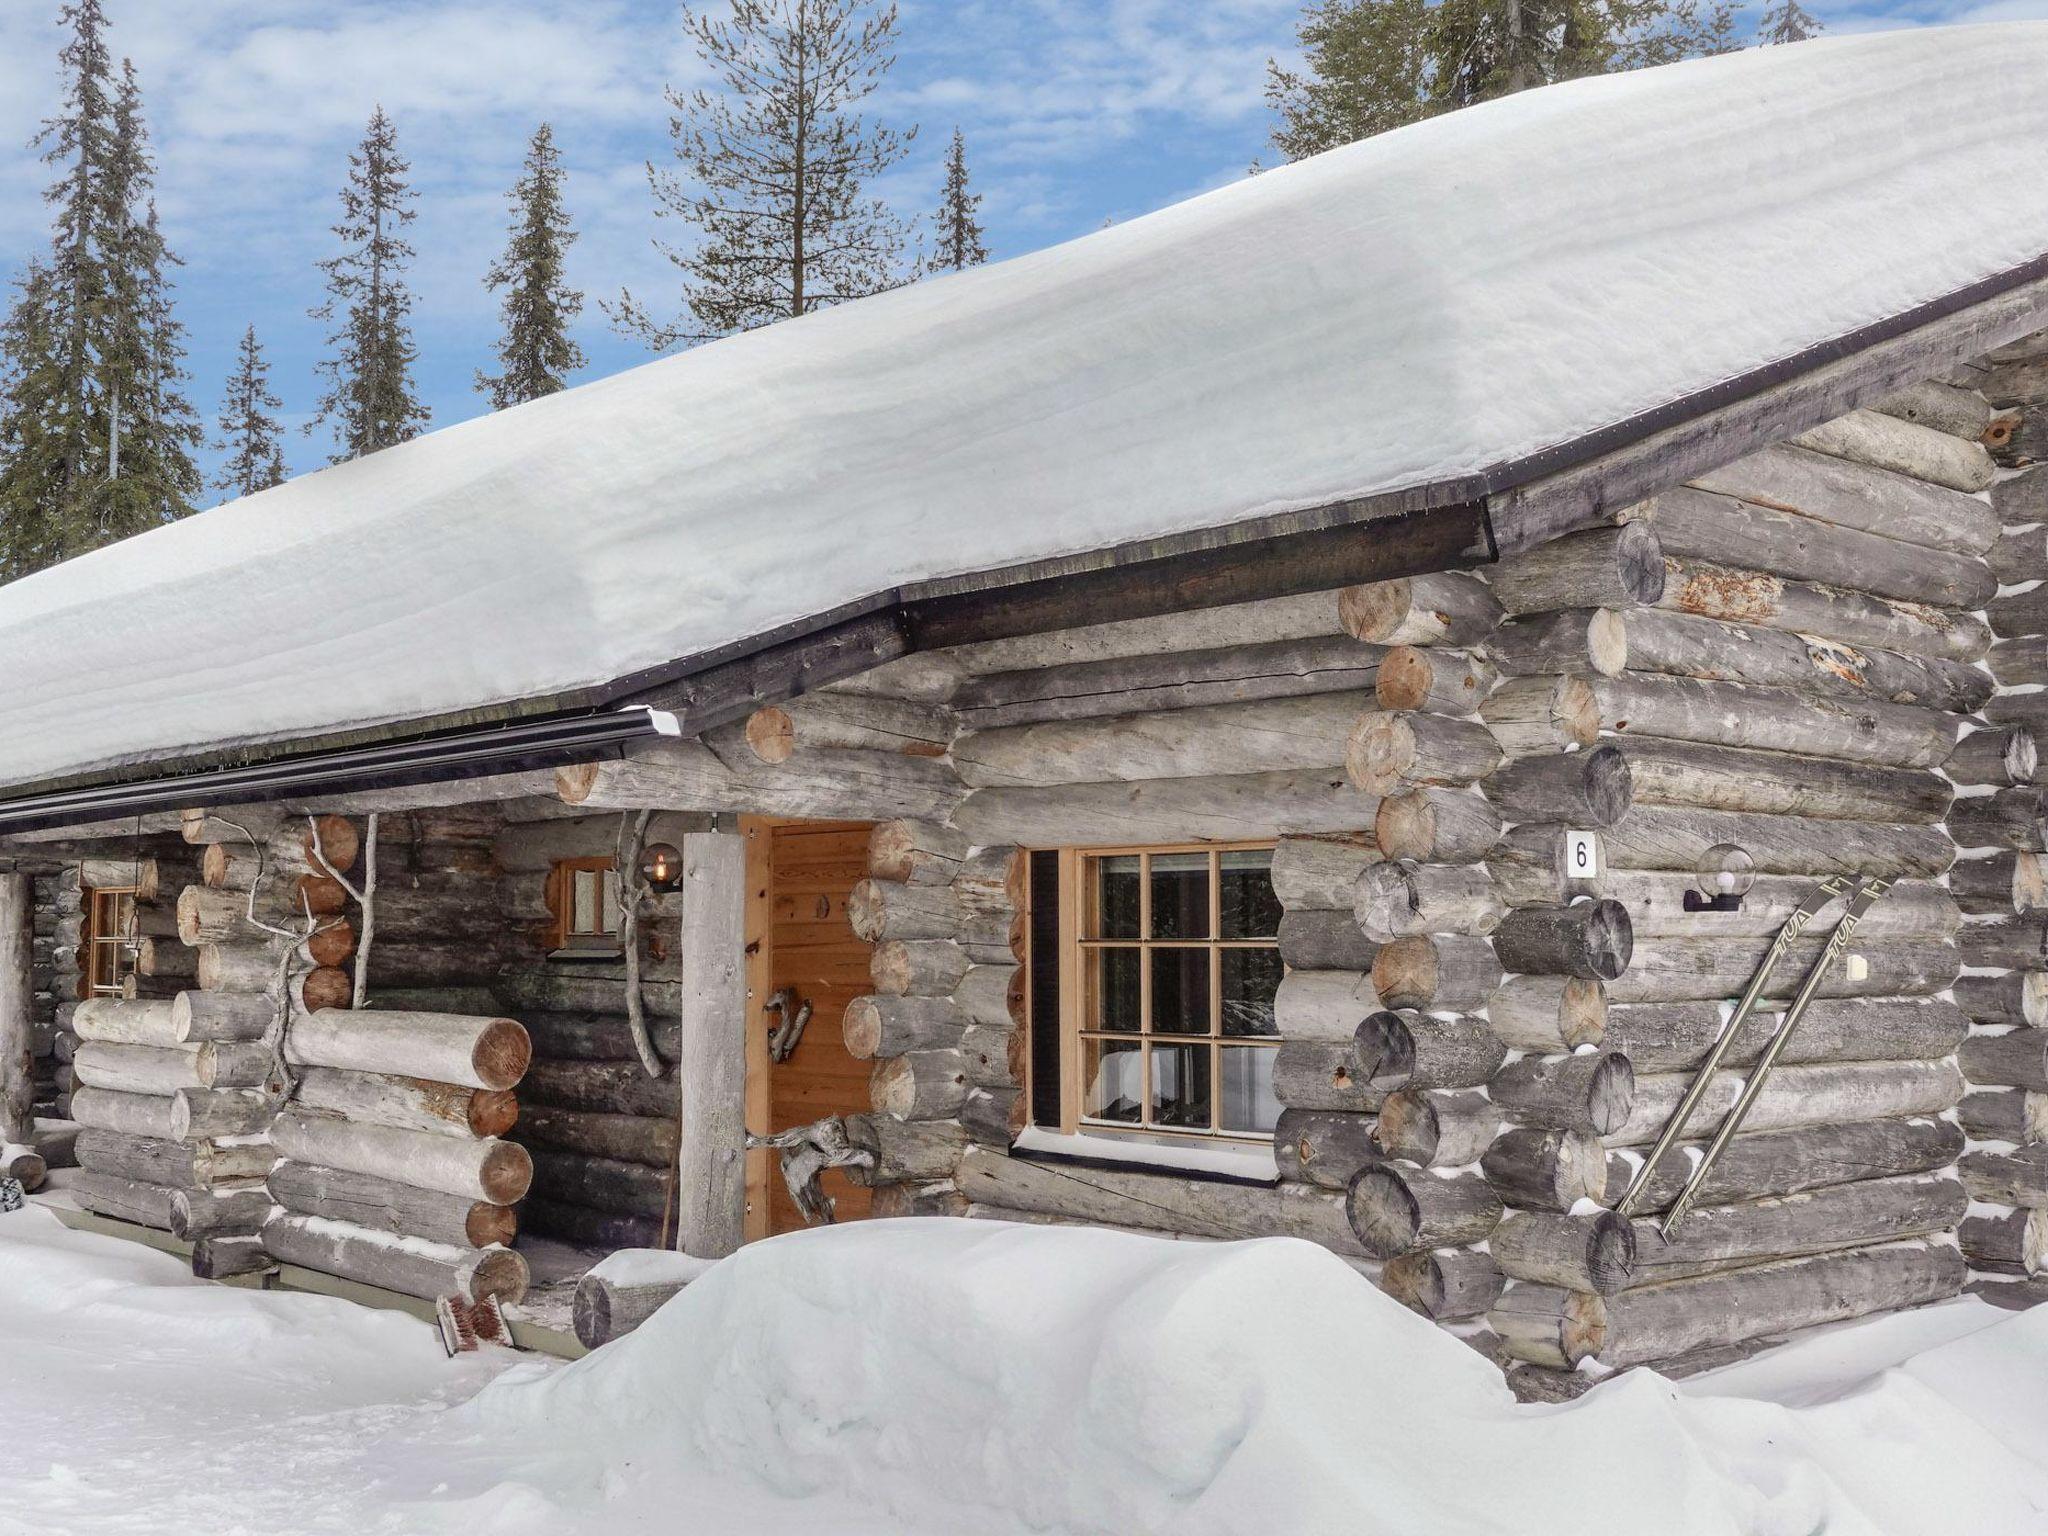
<point x="1174" y="959"/>
<point x="109" y="940"/>
<point x="583" y="899"/>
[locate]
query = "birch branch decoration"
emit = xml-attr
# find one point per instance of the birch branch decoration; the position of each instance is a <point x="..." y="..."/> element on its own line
<point x="632" y="891"/>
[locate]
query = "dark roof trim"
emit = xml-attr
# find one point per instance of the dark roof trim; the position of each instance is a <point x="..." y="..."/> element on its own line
<point x="1459" y="520"/>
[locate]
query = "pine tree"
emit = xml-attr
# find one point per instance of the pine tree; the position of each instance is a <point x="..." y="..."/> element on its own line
<point x="1785" y="22"/>
<point x="535" y="354"/>
<point x="782" y="160"/>
<point x="370" y="401"/>
<point x="1377" y="64"/>
<point x="958" y="224"/>
<point x="250" y="436"/>
<point x="96" y="434"/>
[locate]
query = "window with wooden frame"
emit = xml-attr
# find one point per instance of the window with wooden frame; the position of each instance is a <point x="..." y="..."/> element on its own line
<point x="109" y="940"/>
<point x="1169" y="965"/>
<point x="583" y="900"/>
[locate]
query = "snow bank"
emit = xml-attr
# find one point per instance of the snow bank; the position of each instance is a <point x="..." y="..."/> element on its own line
<point x="1424" y="305"/>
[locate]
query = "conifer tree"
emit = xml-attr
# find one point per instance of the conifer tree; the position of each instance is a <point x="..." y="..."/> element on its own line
<point x="1786" y="22"/>
<point x="370" y="402"/>
<point x="535" y="353"/>
<point x="96" y="433"/>
<point x="958" y="224"/>
<point x="250" y="436"/>
<point x="1377" y="64"/>
<point x="775" y="169"/>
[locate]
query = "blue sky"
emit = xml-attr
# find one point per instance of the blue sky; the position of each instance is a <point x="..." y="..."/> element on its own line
<point x="1075" y="111"/>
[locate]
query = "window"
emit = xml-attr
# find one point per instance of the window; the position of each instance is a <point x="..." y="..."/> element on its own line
<point x="109" y="940"/>
<point x="1170" y="967"/>
<point x="583" y="900"/>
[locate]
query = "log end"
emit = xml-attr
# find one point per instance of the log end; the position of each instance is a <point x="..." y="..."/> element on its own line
<point x="576" y="782"/>
<point x="492" y="1112"/>
<point x="331" y="843"/>
<point x="1377" y="609"/>
<point x="1383" y="1051"/>
<point x="498" y="1272"/>
<point x="1640" y="562"/>
<point x="1380" y="753"/>
<point x="502" y="1053"/>
<point x="867" y="911"/>
<point x="1384" y="1214"/>
<point x="1607" y="642"/>
<point x="1610" y="1252"/>
<point x="506" y="1173"/>
<point x="1406" y="675"/>
<point x="491" y="1225"/>
<point x="771" y="734"/>
<point x="860" y="1027"/>
<point x="1610" y="1093"/>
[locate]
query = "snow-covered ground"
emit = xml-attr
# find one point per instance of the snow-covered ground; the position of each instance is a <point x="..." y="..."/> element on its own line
<point x="928" y="1377"/>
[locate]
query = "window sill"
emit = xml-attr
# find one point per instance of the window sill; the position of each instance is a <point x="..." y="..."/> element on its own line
<point x="1246" y="1163"/>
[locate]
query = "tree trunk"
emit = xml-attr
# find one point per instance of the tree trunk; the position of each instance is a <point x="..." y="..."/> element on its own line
<point x="712" y="1065"/>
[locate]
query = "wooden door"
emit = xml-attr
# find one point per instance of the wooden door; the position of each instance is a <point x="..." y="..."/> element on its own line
<point x="798" y="940"/>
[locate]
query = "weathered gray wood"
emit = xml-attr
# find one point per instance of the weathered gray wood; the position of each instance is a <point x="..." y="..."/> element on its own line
<point x="1815" y="1221"/>
<point x="1693" y="773"/>
<point x="17" y="1008"/>
<point x="2008" y="1178"/>
<point x="1437" y="826"/>
<point x="1653" y="640"/>
<point x="875" y="1026"/>
<point x="1183" y="629"/>
<point x="2019" y="614"/>
<point x="846" y="721"/>
<point x="606" y="1309"/>
<point x="915" y="852"/>
<point x="1262" y="736"/>
<point x="1541" y="715"/>
<point x="1321" y="872"/>
<point x="917" y="967"/>
<point x="2005" y="818"/>
<point x="2017" y="997"/>
<point x="1675" y="970"/>
<point x="106" y="1194"/>
<point x="1447" y="1285"/>
<point x="1546" y="1326"/>
<point x="1434" y="1128"/>
<point x="1325" y="1147"/>
<point x="374" y="1258"/>
<point x="198" y="1113"/>
<point x="408" y="1103"/>
<point x="2013" y="1244"/>
<point x="1323" y="1075"/>
<point x="598" y="1133"/>
<point x="1442" y="682"/>
<point x="1324" y="1005"/>
<point x="1590" y="939"/>
<point x="1194" y="1207"/>
<point x="446" y="1048"/>
<point x="1946" y="408"/>
<point x="1584" y="789"/>
<point x="1595" y="1252"/>
<point x="1176" y="680"/>
<point x="200" y="1016"/>
<point x="1541" y="1168"/>
<point x="1311" y="939"/>
<point x="1391" y="753"/>
<point x="1656" y="907"/>
<point x="2016" y="1059"/>
<point x="904" y="1149"/>
<point x="1539" y="864"/>
<point x="1570" y="640"/>
<point x="1397" y="899"/>
<point x="1601" y="568"/>
<point x="1548" y="1014"/>
<point x="1698" y="525"/>
<point x="490" y="1170"/>
<point x="1908" y="449"/>
<point x="1773" y="1163"/>
<point x="1773" y="719"/>
<point x="598" y="1036"/>
<point x="131" y="1114"/>
<point x="1854" y="492"/>
<point x="1448" y="608"/>
<point x="1398" y="1208"/>
<point x="1826" y="1094"/>
<point x="385" y="1205"/>
<point x="2018" y="663"/>
<point x="1439" y="972"/>
<point x="605" y="1184"/>
<point x="2017" y="1115"/>
<point x="2019" y="942"/>
<point x="173" y="1164"/>
<point x="213" y="1213"/>
<point x="1230" y="807"/>
<point x="1675" y="1037"/>
<point x="1744" y="596"/>
<point x="1591" y="1092"/>
<point x="1678" y="838"/>
<point x="603" y="1230"/>
<point x="687" y="775"/>
<point x="712" y="1067"/>
<point x="2020" y="555"/>
<point x="222" y="1258"/>
<point x="137" y="1068"/>
<point x="1425" y="1050"/>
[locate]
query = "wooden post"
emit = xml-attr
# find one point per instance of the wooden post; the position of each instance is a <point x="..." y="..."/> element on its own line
<point x="17" y="993"/>
<point x="711" y="1191"/>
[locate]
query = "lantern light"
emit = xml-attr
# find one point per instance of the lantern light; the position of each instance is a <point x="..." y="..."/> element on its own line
<point x="661" y="866"/>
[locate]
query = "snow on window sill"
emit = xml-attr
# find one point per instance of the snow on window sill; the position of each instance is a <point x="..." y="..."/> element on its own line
<point x="1235" y="1161"/>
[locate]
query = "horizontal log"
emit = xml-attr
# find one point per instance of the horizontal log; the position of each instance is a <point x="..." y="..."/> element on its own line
<point x="1436" y="972"/>
<point x="1585" y="789"/>
<point x="1188" y="629"/>
<point x="1127" y="685"/>
<point x="1692" y="773"/>
<point x="1397" y="899"/>
<point x="595" y="1036"/>
<point x="123" y="1023"/>
<point x="1774" y="719"/>
<point x="1911" y="452"/>
<point x="688" y="776"/>
<point x="1325" y="1147"/>
<point x="1591" y="1092"/>
<point x="1851" y="490"/>
<point x="904" y="1149"/>
<point x="137" y="1068"/>
<point x="1592" y="940"/>
<point x="106" y="1194"/>
<point x="844" y="721"/>
<point x="1232" y="807"/>
<point x="645" y="1139"/>
<point x="1656" y="902"/>
<point x="2016" y="942"/>
<point x="198" y="1113"/>
<point x="1397" y="1208"/>
<point x="1425" y="1050"/>
<point x="1323" y="1075"/>
<point x="1390" y="753"/>
<point x="1447" y="608"/>
<point x="1321" y="872"/>
<point x="1574" y="641"/>
<point x="1446" y="1285"/>
<point x="1745" y="596"/>
<point x="1543" y="1168"/>
<point x="606" y="1309"/>
<point x="1675" y="1037"/>
<point x="2005" y="818"/>
<point x="497" y="1172"/>
<point x="604" y="1183"/>
<point x="1436" y="826"/>
<point x="1663" y="837"/>
<point x="172" y="1164"/>
<point x="1946" y="408"/>
<point x="1433" y="1128"/>
<point x="2020" y="555"/>
<point x="1323" y="1005"/>
<point x="1324" y="941"/>
<point x="1824" y="1094"/>
<point x="2015" y="1059"/>
<point x="1594" y="1252"/>
<point x="218" y="1213"/>
<point x="1548" y="1014"/>
<point x="407" y="1103"/>
<point x="604" y="1230"/>
<point x="447" y="1048"/>
<point x="915" y="852"/>
<point x="1539" y="715"/>
<point x="1757" y="1166"/>
<point x="2008" y="1178"/>
<point x="384" y="1205"/>
<point x="414" y="1268"/>
<point x="889" y="1026"/>
<point x="2014" y="1244"/>
<point x="1814" y="1221"/>
<point x="1601" y="568"/>
<point x="1442" y="682"/>
<point x="2018" y="663"/>
<point x="1261" y="736"/>
<point x="1679" y="970"/>
<point x="2017" y="1115"/>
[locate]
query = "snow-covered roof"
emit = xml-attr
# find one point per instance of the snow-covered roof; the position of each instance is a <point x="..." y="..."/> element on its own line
<point x="1421" y="306"/>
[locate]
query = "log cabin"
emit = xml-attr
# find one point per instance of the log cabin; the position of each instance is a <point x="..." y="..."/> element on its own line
<point x="1294" y="716"/>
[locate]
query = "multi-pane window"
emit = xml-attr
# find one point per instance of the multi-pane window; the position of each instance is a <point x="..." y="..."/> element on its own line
<point x="583" y="896"/>
<point x="1176" y="965"/>
<point x="110" y="943"/>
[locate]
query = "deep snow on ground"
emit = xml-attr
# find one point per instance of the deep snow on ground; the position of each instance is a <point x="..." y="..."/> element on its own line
<point x="929" y="1377"/>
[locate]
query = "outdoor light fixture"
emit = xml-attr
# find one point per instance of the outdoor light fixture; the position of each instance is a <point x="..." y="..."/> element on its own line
<point x="661" y="866"/>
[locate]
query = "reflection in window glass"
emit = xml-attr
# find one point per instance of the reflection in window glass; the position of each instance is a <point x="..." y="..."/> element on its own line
<point x="1251" y="980"/>
<point x="1117" y="889"/>
<point x="1250" y="909"/>
<point x="1180" y="991"/>
<point x="1248" y="1105"/>
<point x="1180" y="895"/>
<point x="1119" y="1002"/>
<point x="1113" y="1072"/>
<point x="1180" y="1087"/>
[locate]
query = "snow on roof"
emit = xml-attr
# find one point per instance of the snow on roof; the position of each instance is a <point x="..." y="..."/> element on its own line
<point x="1420" y="306"/>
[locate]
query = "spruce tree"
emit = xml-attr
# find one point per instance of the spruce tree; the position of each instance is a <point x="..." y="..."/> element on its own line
<point x="369" y="400"/>
<point x="775" y="169"/>
<point x="535" y="353"/>
<point x="958" y="224"/>
<point x="1377" y="64"/>
<point x="250" y="437"/>
<point x="1785" y="22"/>
<point x="34" y="474"/>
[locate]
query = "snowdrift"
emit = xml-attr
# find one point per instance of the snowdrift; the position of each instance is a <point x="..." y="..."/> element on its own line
<point x="969" y="1377"/>
<point x="1423" y="306"/>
